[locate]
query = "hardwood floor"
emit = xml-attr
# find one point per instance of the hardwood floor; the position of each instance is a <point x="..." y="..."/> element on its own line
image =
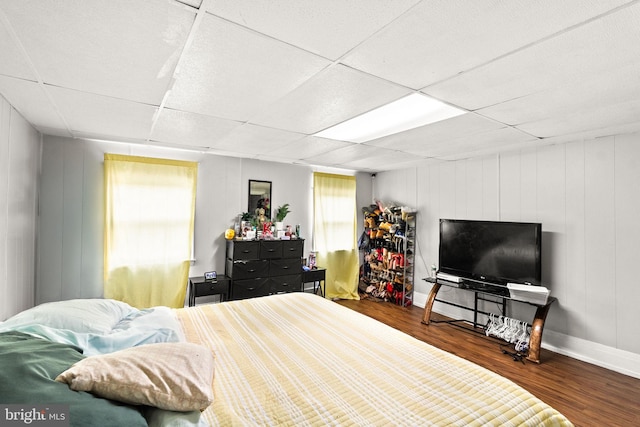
<point x="586" y="394"/>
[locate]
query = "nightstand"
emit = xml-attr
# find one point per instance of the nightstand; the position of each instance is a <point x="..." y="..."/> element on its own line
<point x="315" y="276"/>
<point x="199" y="287"/>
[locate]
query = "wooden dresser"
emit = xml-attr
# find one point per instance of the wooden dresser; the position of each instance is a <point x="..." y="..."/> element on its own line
<point x="263" y="267"/>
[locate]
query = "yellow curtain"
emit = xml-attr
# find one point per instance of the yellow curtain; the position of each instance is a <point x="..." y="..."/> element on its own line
<point x="334" y="201"/>
<point x="149" y="222"/>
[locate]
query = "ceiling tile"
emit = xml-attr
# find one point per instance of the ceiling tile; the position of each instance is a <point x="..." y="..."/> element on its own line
<point x="420" y="139"/>
<point x="479" y="143"/>
<point x="13" y="62"/>
<point x="309" y="147"/>
<point x="347" y="154"/>
<point x="183" y="128"/>
<point x="438" y="40"/>
<point x="98" y="114"/>
<point x="231" y="153"/>
<point x="573" y="56"/>
<point x="583" y="135"/>
<point x="382" y="159"/>
<point x="257" y="78"/>
<point x="178" y="146"/>
<point x="121" y="48"/>
<point x="193" y="3"/>
<point x="100" y="136"/>
<point x="613" y="86"/>
<point x="31" y="101"/>
<point x="489" y="150"/>
<point x="590" y="117"/>
<point x="328" y="28"/>
<point x="231" y="72"/>
<point x="255" y="140"/>
<point x="332" y="96"/>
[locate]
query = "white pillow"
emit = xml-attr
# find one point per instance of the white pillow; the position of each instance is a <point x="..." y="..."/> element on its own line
<point x="172" y="376"/>
<point x="78" y="315"/>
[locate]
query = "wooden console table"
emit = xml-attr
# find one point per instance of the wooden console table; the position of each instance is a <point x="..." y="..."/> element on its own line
<point x="537" y="326"/>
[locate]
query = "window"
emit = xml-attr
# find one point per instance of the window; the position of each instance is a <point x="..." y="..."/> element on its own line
<point x="336" y="211"/>
<point x="149" y="221"/>
<point x="335" y="228"/>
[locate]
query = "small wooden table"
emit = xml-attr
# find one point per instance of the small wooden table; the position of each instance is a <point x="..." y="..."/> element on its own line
<point x="317" y="277"/>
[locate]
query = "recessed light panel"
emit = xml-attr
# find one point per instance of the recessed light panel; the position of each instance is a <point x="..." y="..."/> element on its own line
<point x="406" y="113"/>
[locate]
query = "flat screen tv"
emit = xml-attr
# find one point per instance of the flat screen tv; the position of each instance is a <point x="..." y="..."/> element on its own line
<point x="491" y="252"/>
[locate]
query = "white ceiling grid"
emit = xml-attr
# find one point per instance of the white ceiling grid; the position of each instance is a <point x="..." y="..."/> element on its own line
<point x="258" y="79"/>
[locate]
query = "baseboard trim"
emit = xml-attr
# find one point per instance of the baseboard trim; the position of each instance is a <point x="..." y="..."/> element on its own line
<point x="624" y="362"/>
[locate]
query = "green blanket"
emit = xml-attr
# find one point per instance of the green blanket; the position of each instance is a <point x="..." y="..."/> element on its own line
<point x="28" y="368"/>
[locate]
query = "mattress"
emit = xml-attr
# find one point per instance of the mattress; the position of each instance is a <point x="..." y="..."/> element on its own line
<point x="301" y="360"/>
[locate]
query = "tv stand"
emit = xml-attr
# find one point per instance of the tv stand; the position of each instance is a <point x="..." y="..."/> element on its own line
<point x="537" y="326"/>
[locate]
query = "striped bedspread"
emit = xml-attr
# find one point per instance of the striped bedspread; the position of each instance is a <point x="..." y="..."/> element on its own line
<point x="300" y="360"/>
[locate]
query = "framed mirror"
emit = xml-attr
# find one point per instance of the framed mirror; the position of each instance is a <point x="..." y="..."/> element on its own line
<point x="259" y="197"/>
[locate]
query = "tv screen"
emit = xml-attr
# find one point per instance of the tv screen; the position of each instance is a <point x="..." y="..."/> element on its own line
<point x="491" y="251"/>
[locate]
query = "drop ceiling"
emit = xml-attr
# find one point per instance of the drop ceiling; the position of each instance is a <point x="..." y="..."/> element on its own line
<point x="257" y="79"/>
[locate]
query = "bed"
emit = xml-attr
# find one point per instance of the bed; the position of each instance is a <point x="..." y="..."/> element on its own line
<point x="298" y="359"/>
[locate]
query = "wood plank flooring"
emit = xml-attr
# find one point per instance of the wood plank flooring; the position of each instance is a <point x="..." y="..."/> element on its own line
<point x="586" y="394"/>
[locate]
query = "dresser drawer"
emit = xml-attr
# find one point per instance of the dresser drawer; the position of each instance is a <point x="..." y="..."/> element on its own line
<point x="270" y="249"/>
<point x="288" y="283"/>
<point x="284" y="266"/>
<point x="210" y="288"/>
<point x="250" y="288"/>
<point x="250" y="269"/>
<point x="241" y="250"/>
<point x="200" y="287"/>
<point x="292" y="248"/>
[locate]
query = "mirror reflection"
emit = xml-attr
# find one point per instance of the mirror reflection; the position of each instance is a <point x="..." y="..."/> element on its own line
<point x="260" y="197"/>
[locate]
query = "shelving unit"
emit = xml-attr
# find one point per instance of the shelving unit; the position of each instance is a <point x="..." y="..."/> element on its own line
<point x="387" y="270"/>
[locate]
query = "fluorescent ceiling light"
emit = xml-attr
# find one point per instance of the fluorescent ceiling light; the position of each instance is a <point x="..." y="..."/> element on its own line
<point x="406" y="113"/>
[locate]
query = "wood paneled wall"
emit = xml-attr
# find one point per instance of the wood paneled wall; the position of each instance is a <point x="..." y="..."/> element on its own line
<point x="586" y="194"/>
<point x="70" y="243"/>
<point x="19" y="165"/>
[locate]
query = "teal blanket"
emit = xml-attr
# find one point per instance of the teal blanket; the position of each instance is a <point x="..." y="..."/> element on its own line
<point x="29" y="366"/>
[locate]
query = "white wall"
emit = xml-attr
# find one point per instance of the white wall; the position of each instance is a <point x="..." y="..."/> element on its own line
<point x="586" y="196"/>
<point x="71" y="225"/>
<point x="19" y="165"/>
